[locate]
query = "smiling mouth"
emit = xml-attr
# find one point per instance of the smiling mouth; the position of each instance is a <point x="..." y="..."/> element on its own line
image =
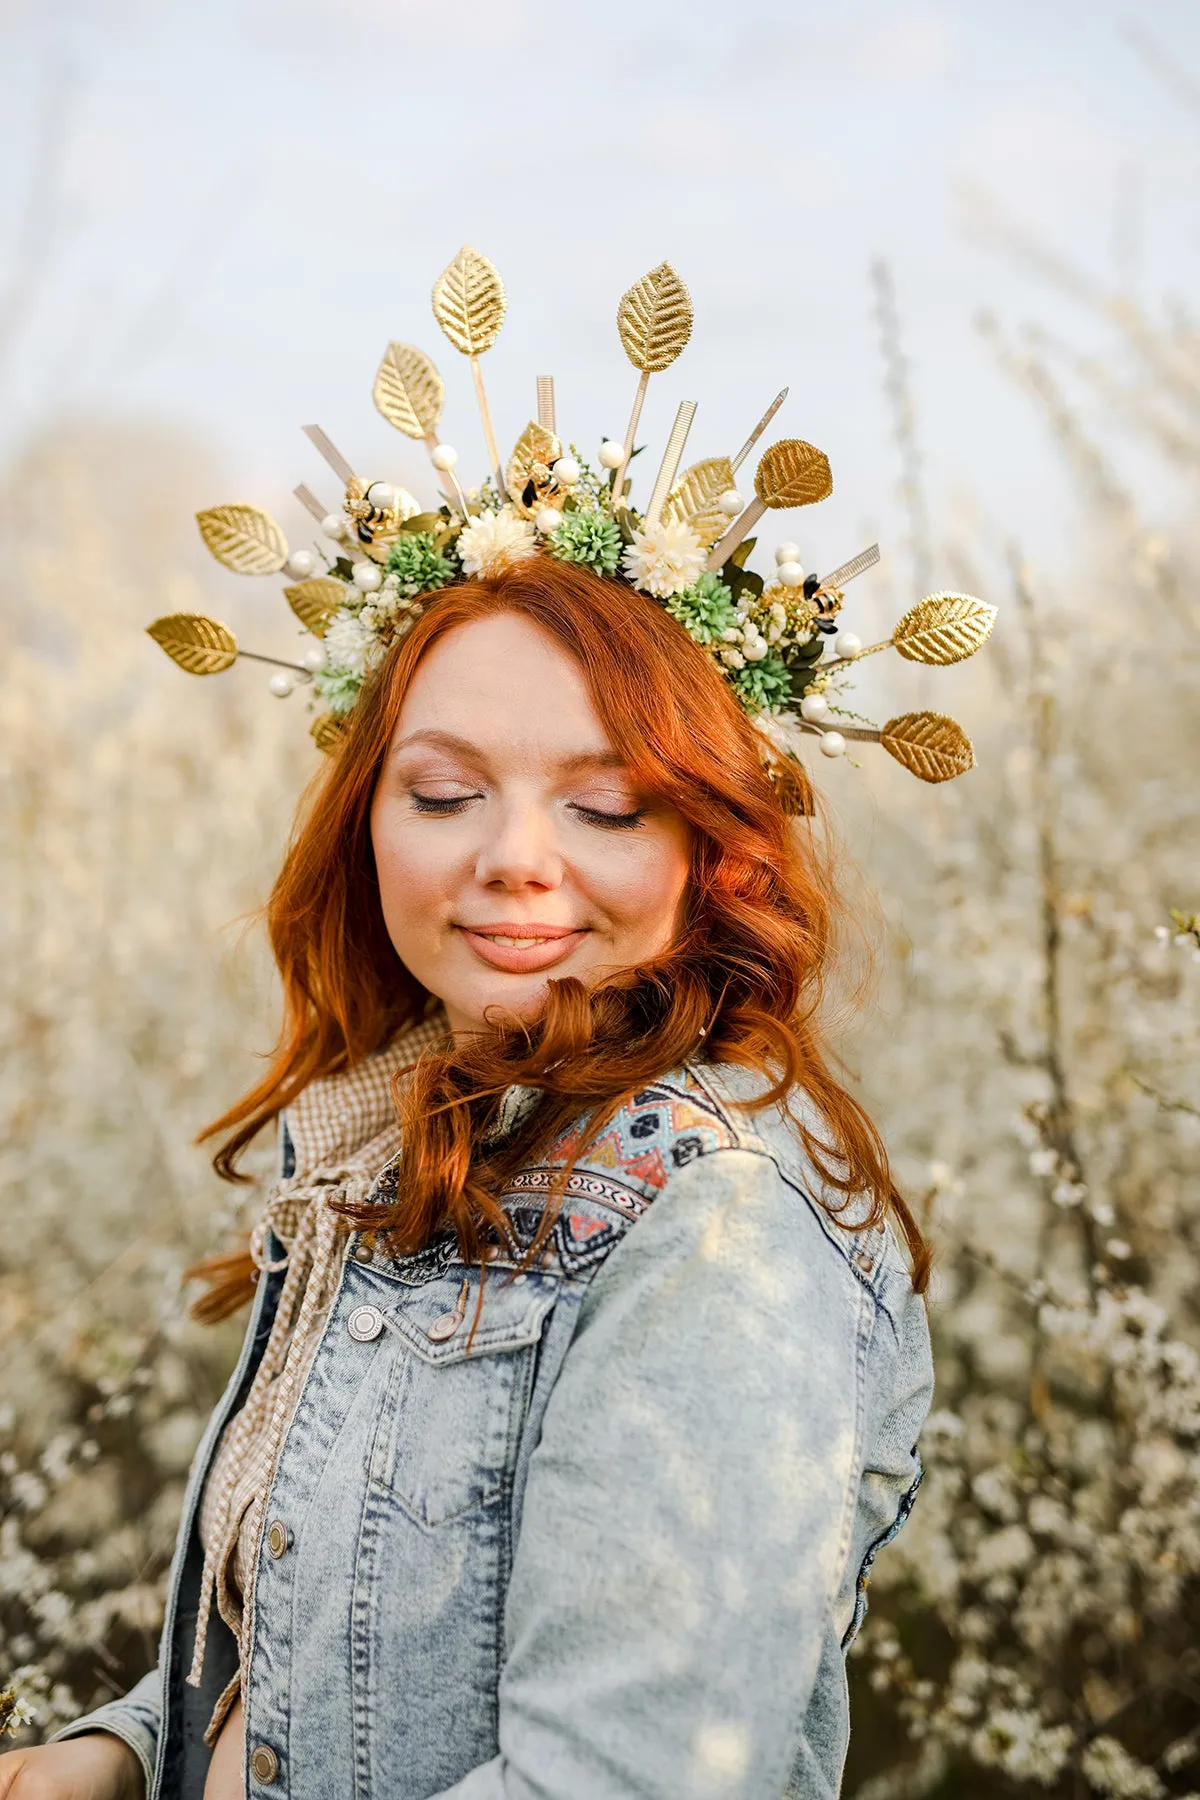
<point x="522" y="949"/>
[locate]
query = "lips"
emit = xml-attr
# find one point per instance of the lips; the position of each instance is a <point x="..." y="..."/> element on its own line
<point x="522" y="949"/>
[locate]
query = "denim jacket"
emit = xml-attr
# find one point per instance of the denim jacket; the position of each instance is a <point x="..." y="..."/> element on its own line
<point x="603" y="1532"/>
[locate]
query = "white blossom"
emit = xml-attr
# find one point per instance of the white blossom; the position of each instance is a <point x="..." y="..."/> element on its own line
<point x="664" y="560"/>
<point x="495" y="541"/>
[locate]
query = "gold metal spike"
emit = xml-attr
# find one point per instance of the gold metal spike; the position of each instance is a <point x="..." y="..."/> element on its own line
<point x="324" y="446"/>
<point x="315" y="601"/>
<point x="244" y="538"/>
<point x="672" y="457"/>
<point x="931" y="746"/>
<point x="858" y="565"/>
<point x="793" y="473"/>
<point x="737" y="461"/>
<point x="310" y="503"/>
<point x="409" y="392"/>
<point x="545" y="405"/>
<point x="327" y="731"/>
<point x="654" y="320"/>
<point x="536" y="449"/>
<point x="469" y="302"/>
<point x="944" y="628"/>
<point x="693" y="500"/>
<point x="200" y="645"/>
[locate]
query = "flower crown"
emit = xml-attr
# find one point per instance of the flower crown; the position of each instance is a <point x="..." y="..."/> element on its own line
<point x="688" y="548"/>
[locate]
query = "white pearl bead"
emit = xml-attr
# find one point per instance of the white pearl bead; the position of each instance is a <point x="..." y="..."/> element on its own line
<point x="366" y="577"/>
<point x="444" y="457"/>
<point x="787" y="553"/>
<point x="565" y="471"/>
<point x="731" y="503"/>
<point x="757" y="650"/>
<point x="334" y="526"/>
<point x="847" y="644"/>
<point x="833" y="743"/>
<point x="381" y="495"/>
<point x="790" y="573"/>
<point x="546" y="519"/>
<point x="814" y="708"/>
<point x="281" y="684"/>
<point x="314" y="660"/>
<point x="300" y="564"/>
<point x="612" y="454"/>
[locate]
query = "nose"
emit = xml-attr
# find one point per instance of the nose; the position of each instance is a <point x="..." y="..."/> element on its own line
<point x="520" y="852"/>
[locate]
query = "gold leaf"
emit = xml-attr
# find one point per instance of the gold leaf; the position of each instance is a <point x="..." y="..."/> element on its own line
<point x="199" y="645"/>
<point x="409" y="392"/>
<point x="944" y="628"/>
<point x="326" y="731"/>
<point x="315" y="601"/>
<point x="244" y="538"/>
<point x="536" y="449"/>
<point x="793" y="473"/>
<point x="469" y="302"/>
<point x="930" y="745"/>
<point x="655" y="320"/>
<point x="693" y="499"/>
<point x="790" y="779"/>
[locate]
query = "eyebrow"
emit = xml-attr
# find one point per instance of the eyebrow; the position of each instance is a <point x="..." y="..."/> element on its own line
<point x="448" y="740"/>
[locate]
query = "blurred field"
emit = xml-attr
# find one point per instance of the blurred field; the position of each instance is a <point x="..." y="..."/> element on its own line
<point x="1032" y="1057"/>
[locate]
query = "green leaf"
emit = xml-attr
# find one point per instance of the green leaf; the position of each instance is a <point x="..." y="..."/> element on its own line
<point x="742" y="552"/>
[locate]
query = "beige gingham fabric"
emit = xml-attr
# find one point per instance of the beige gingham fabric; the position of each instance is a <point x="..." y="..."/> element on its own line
<point x="344" y="1131"/>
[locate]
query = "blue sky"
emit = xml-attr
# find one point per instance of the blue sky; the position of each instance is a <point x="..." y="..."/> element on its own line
<point x="238" y="204"/>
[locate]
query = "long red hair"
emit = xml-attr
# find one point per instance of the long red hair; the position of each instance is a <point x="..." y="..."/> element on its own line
<point x="743" y="984"/>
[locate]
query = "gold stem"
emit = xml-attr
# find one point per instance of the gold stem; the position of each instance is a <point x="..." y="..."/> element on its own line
<point x="618" y="486"/>
<point x="843" y="662"/>
<point x="488" y="433"/>
<point x="664" y="481"/>
<point x="735" y="462"/>
<point x="296" y="668"/>
<point x="431" y="444"/>
<point x="545" y="394"/>
<point x="311" y="504"/>
<point x="723" y="549"/>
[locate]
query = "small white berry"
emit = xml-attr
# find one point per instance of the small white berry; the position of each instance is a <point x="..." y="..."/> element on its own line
<point x="787" y="553"/>
<point x="547" y="518"/>
<point x="757" y="650"/>
<point x="731" y="503"/>
<point x="833" y="743"/>
<point x="281" y="684"/>
<point x="612" y="454"/>
<point x="300" y="564"/>
<point x="565" y="471"/>
<point x="334" y="526"/>
<point x="847" y="644"/>
<point x="381" y="495"/>
<point x="314" y="659"/>
<point x="444" y="457"/>
<point x="366" y="577"/>
<point x="814" y="708"/>
<point x="791" y="574"/>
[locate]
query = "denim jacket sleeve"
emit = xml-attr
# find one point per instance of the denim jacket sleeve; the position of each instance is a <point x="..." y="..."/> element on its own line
<point x="135" y="1718"/>
<point x="690" y="1504"/>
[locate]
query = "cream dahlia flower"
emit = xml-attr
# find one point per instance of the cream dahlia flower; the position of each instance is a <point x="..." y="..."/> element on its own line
<point x="494" y="541"/>
<point x="664" y="560"/>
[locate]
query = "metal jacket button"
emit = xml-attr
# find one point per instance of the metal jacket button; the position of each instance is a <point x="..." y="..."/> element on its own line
<point x="264" y="1764"/>
<point x="444" y="1326"/>
<point x="362" y="1253"/>
<point x="365" y="1323"/>
<point x="279" y="1539"/>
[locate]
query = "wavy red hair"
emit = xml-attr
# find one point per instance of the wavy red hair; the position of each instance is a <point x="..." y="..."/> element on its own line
<point x="744" y="983"/>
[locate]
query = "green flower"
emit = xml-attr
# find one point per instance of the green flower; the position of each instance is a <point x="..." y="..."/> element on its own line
<point x="762" y="684"/>
<point x="418" y="564"/>
<point x="705" y="609"/>
<point x="338" y="687"/>
<point x="592" y="539"/>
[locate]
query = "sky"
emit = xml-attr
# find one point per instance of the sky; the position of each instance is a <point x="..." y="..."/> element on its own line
<point x="216" y="216"/>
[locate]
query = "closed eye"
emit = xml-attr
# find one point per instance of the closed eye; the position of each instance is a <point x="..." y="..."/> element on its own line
<point x="610" y="821"/>
<point x="431" y="803"/>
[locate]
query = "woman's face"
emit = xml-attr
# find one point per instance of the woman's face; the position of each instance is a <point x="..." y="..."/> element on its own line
<point x="511" y="842"/>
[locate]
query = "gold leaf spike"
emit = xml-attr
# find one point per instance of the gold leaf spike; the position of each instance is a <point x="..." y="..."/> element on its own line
<point x="693" y="499"/>
<point x="931" y="746"/>
<point x="315" y="601"/>
<point x="199" y="645"/>
<point x="944" y="628"/>
<point x="536" y="449"/>
<point x="793" y="473"/>
<point x="655" y="320"/>
<point x="409" y="392"/>
<point x="244" y="538"/>
<point x="326" y="731"/>
<point x="469" y="302"/>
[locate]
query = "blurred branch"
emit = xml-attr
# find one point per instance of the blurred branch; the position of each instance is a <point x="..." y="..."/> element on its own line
<point x="897" y="386"/>
<point x="1159" y="61"/>
<point x="41" y="215"/>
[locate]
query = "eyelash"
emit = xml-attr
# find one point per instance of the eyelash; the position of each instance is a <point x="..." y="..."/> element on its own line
<point x="424" y="803"/>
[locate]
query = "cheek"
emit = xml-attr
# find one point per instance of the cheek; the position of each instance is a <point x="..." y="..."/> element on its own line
<point x="416" y="867"/>
<point x="641" y="885"/>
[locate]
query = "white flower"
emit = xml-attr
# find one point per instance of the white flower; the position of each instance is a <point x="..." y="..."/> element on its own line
<point x="664" y="560"/>
<point x="494" y="541"/>
<point x="348" y="643"/>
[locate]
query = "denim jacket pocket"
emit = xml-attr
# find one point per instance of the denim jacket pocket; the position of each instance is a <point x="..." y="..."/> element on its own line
<point x="457" y="1388"/>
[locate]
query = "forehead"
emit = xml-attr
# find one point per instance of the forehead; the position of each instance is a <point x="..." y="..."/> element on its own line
<point x="505" y="686"/>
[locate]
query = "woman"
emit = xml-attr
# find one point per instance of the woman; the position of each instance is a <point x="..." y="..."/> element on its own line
<point x="584" y="1369"/>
